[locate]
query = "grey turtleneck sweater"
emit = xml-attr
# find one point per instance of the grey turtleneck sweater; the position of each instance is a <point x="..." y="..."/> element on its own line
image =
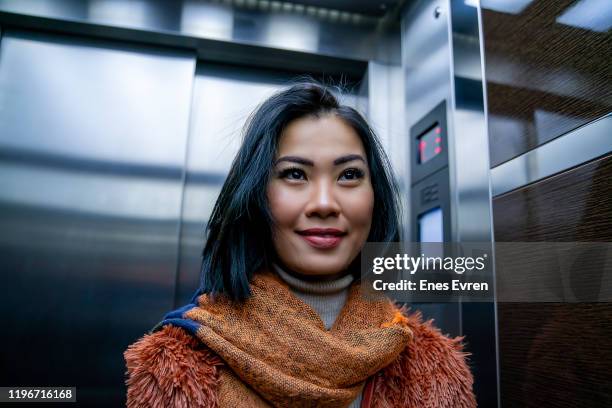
<point x="326" y="297"/>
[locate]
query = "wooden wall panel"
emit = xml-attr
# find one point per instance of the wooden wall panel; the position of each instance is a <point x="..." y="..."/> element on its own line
<point x="552" y="354"/>
<point x="544" y="78"/>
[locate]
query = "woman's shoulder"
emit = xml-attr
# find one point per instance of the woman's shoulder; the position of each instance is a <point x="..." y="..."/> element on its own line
<point x="431" y="371"/>
<point x="170" y="367"/>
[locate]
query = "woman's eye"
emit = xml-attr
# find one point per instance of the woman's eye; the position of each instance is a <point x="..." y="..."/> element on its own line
<point x="293" y="174"/>
<point x="352" y="174"/>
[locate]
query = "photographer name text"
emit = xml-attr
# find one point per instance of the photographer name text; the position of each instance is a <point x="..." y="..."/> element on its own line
<point x="423" y="285"/>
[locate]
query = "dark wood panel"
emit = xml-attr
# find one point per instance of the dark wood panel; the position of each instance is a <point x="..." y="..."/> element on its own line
<point x="552" y="354"/>
<point x="544" y="78"/>
<point x="575" y="205"/>
<point x="555" y="355"/>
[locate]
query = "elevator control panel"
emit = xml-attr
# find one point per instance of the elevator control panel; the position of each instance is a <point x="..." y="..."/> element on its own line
<point x="430" y="144"/>
<point x="430" y="195"/>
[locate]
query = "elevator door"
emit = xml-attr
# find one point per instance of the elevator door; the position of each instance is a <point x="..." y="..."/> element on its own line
<point x="92" y="146"/>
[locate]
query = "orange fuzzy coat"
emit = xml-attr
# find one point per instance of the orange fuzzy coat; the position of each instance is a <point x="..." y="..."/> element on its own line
<point x="171" y="368"/>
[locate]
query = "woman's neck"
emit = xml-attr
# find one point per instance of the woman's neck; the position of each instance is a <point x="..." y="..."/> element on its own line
<point x="323" y="285"/>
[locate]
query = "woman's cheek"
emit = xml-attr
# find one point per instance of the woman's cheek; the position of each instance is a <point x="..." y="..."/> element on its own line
<point x="285" y="205"/>
<point x="367" y="212"/>
<point x="360" y="208"/>
<point x="282" y="205"/>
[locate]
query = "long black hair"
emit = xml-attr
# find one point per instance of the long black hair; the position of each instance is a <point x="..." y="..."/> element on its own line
<point x="238" y="241"/>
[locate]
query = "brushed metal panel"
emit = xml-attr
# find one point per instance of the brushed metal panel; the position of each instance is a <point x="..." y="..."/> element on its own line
<point x="375" y="8"/>
<point x="223" y="98"/>
<point x="426" y="61"/>
<point x="426" y="71"/>
<point x="468" y="142"/>
<point x="122" y="74"/>
<point x="578" y="146"/>
<point x="92" y="146"/>
<point x="278" y="25"/>
<point x="470" y="186"/>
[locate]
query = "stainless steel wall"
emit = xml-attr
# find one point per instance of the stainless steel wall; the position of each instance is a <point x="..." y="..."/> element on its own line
<point x="264" y="23"/>
<point x="426" y="71"/>
<point x="112" y="155"/>
<point x="223" y="98"/>
<point x="442" y="62"/>
<point x="223" y="31"/>
<point x="92" y="144"/>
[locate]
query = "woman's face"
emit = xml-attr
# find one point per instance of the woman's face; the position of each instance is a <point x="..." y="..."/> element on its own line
<point x="320" y="195"/>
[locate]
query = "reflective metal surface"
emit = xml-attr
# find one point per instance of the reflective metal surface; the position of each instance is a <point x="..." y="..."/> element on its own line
<point x="92" y="146"/>
<point x="426" y="66"/>
<point x="223" y="98"/>
<point x="441" y="57"/>
<point x="469" y="141"/>
<point x="385" y="113"/>
<point x="270" y="24"/>
<point x="425" y="58"/>
<point x="579" y="146"/>
<point x="470" y="185"/>
<point x="426" y="72"/>
<point x="368" y="7"/>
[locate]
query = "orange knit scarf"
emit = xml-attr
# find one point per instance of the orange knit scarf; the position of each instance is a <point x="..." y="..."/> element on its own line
<point x="278" y="346"/>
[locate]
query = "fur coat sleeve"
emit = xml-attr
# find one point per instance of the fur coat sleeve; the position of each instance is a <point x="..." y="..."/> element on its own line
<point x="170" y="368"/>
<point x="431" y="372"/>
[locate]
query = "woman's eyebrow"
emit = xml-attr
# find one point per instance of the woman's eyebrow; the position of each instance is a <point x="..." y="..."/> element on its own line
<point x="348" y="158"/>
<point x="295" y="159"/>
<point x="306" y="162"/>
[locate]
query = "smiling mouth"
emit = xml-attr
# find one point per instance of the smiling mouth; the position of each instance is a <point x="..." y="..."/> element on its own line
<point x="322" y="238"/>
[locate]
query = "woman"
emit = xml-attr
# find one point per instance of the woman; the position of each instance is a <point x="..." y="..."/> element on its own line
<point x="279" y="320"/>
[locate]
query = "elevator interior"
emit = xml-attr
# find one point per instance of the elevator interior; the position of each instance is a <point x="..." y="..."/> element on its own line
<point x="119" y="121"/>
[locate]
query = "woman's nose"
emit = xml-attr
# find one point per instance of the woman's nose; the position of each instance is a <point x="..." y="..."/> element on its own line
<point x="322" y="201"/>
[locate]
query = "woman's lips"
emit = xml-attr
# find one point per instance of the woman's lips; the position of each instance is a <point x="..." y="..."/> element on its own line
<point x="322" y="238"/>
<point x="322" y="242"/>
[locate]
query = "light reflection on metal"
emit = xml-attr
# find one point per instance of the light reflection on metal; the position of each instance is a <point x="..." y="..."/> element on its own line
<point x="572" y="149"/>
<point x="92" y="142"/>
<point x="593" y="15"/>
<point x="469" y="141"/>
<point x="133" y="13"/>
<point x="503" y="6"/>
<point x="326" y="31"/>
<point x="207" y="20"/>
<point x="470" y="182"/>
<point x="289" y="32"/>
<point x="223" y="98"/>
<point x="66" y="85"/>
